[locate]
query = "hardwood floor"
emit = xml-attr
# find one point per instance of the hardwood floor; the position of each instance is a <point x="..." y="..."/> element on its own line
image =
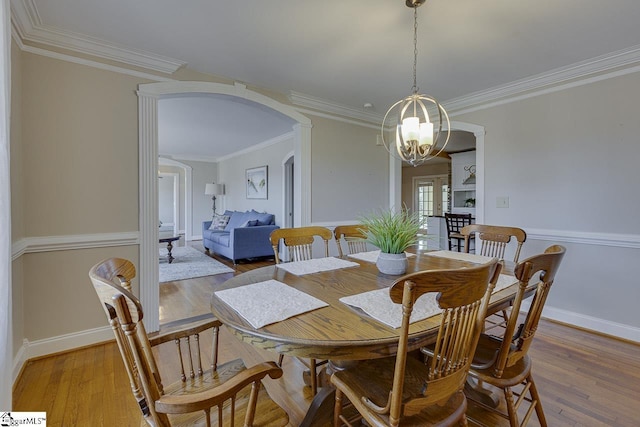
<point x="584" y="379"/>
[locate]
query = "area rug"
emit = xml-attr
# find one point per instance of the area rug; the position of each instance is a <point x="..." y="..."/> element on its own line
<point x="187" y="264"/>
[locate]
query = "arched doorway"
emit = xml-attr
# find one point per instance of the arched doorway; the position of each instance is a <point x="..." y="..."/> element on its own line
<point x="395" y="170"/>
<point x="148" y="96"/>
<point x="187" y="171"/>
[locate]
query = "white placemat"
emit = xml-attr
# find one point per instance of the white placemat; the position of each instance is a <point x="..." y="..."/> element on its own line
<point x="316" y="265"/>
<point x="378" y="305"/>
<point x="504" y="281"/>
<point x="476" y="259"/>
<point x="268" y="302"/>
<point x="371" y="256"/>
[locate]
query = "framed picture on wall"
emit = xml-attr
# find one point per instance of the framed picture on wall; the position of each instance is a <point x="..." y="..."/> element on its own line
<point x="257" y="183"/>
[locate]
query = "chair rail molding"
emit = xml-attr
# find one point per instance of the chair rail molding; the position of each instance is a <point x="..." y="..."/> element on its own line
<point x="586" y="237"/>
<point x="28" y="245"/>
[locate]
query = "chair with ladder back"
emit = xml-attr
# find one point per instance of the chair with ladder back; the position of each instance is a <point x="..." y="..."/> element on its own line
<point x="504" y="363"/>
<point x="403" y="390"/>
<point x="298" y="242"/>
<point x="354" y="236"/>
<point x="493" y="242"/>
<point x="234" y="392"/>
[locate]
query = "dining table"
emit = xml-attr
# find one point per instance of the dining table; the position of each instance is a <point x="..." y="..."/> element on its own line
<point x="333" y="329"/>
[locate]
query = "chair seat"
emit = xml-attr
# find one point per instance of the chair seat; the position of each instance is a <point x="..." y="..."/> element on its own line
<point x="268" y="413"/>
<point x="511" y="376"/>
<point x="373" y="379"/>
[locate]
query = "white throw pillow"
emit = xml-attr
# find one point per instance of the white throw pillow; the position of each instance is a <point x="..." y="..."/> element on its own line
<point x="220" y="222"/>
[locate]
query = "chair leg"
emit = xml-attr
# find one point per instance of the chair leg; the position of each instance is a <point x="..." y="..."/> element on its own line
<point x="538" y="404"/>
<point x="314" y="377"/>
<point x="337" y="410"/>
<point x="511" y="409"/>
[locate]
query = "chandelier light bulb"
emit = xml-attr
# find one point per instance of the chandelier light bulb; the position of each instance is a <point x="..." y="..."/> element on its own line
<point x="426" y="134"/>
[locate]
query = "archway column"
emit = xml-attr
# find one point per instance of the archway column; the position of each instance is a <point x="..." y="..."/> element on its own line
<point x="148" y="275"/>
<point x="302" y="174"/>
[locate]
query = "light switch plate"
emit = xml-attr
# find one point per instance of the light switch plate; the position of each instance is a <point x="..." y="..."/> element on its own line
<point x="502" y="202"/>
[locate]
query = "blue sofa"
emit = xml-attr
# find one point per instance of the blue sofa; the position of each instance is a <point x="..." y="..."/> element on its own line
<point x="245" y="235"/>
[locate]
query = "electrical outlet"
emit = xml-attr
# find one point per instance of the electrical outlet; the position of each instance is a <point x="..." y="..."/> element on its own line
<point x="502" y="202"/>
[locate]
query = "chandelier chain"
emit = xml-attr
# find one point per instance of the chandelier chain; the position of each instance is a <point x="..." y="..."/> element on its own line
<point x="415" y="49"/>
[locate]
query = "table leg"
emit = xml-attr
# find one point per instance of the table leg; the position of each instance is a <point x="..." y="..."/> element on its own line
<point x="169" y="256"/>
<point x="320" y="412"/>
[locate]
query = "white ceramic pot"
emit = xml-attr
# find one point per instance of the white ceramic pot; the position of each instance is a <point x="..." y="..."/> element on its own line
<point x="392" y="264"/>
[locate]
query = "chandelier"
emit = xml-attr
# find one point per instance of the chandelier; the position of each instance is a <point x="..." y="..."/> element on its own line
<point x="416" y="142"/>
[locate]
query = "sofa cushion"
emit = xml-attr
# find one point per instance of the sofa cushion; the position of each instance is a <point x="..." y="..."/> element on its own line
<point x="249" y="223"/>
<point x="221" y="238"/>
<point x="220" y="222"/>
<point x="262" y="218"/>
<point x="236" y="220"/>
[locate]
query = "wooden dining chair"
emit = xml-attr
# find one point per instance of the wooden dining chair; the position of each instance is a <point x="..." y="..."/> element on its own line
<point x="405" y="391"/>
<point x="455" y="223"/>
<point x="234" y="392"/>
<point x="505" y="363"/>
<point x="354" y="236"/>
<point x="493" y="242"/>
<point x="298" y="242"/>
<point x="494" y="239"/>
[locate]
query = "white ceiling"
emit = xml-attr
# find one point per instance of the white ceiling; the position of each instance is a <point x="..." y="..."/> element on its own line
<point x="345" y="52"/>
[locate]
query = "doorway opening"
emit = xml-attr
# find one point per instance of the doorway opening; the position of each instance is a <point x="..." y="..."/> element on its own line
<point x="289" y="191"/>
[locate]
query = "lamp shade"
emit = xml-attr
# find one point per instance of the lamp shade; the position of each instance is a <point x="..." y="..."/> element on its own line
<point x="214" y="190"/>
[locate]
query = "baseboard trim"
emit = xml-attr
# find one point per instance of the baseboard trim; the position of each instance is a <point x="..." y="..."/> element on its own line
<point x="590" y="323"/>
<point x="59" y="344"/>
<point x="19" y="361"/>
<point x="67" y="342"/>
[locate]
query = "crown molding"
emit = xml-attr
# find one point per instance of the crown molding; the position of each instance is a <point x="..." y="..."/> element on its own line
<point x="178" y="157"/>
<point x="621" y="62"/>
<point x="327" y="106"/>
<point x="264" y="144"/>
<point x="29" y="27"/>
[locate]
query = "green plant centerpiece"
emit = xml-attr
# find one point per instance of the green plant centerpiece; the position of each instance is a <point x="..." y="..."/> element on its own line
<point x="392" y="232"/>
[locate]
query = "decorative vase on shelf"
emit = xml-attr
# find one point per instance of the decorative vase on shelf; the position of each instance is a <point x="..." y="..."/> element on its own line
<point x="392" y="264"/>
<point x="392" y="232"/>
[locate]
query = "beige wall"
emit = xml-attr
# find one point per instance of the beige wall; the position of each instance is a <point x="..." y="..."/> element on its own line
<point x="349" y="172"/>
<point x="58" y="294"/>
<point x="81" y="133"/>
<point x="79" y="129"/>
<point x="568" y="163"/>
